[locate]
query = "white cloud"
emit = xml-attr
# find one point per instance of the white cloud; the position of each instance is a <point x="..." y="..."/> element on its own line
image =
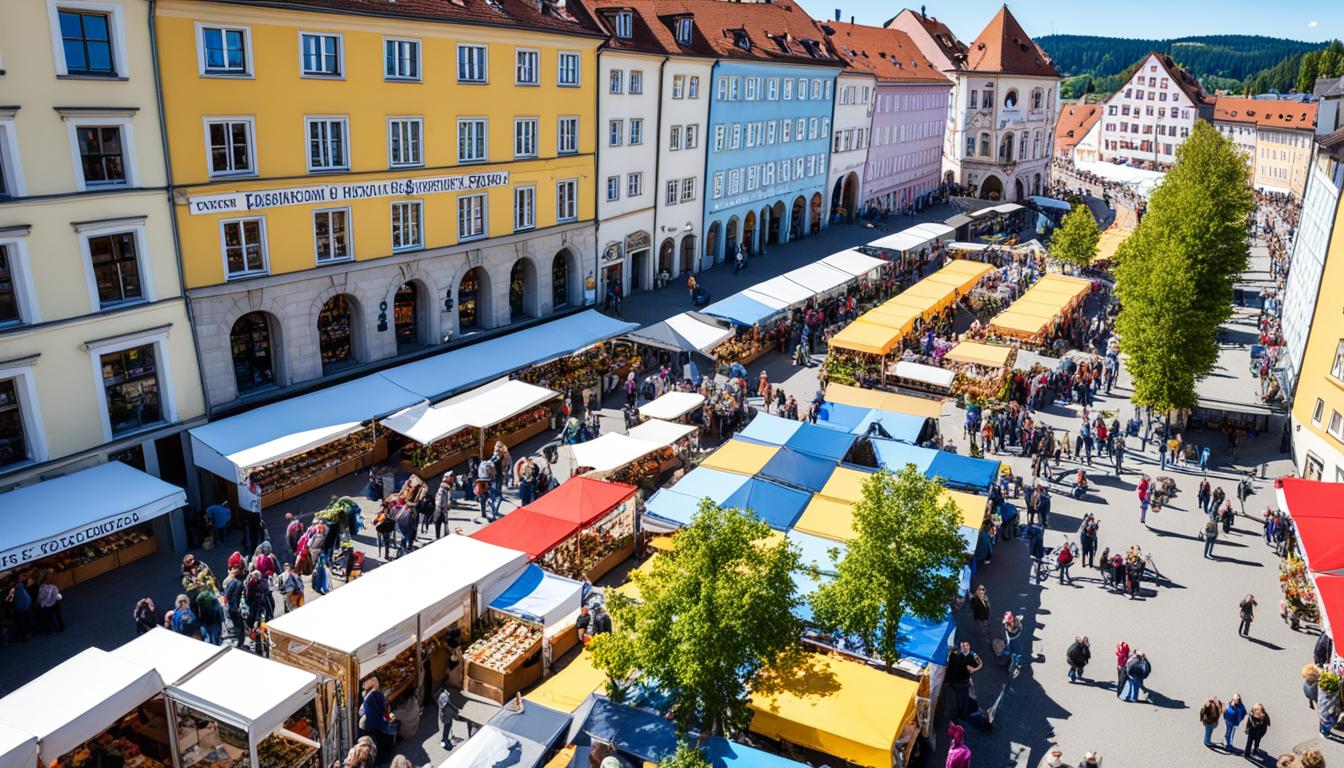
<point x="1312" y="24"/>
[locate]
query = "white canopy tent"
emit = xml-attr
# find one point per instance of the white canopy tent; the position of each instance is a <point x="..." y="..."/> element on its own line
<point x="781" y="289"/>
<point x="905" y="240"/>
<point x="704" y="336"/>
<point x="248" y="692"/>
<point x="660" y="432"/>
<point x="481" y="408"/>
<point x="542" y="597"/>
<point x="982" y="213"/>
<point x="17" y="749"/>
<point x="672" y="405"/>
<point x="175" y="657"/>
<point x="935" y="230"/>
<point x="490" y="748"/>
<point x="77" y="700"/>
<point x="610" y="451"/>
<point x="1050" y="202"/>
<point x="75" y="509"/>
<point x="1141" y="181"/>
<point x="1006" y="208"/>
<point x="962" y="246"/>
<point x="852" y="262"/>
<point x="818" y="277"/>
<point x="924" y="374"/>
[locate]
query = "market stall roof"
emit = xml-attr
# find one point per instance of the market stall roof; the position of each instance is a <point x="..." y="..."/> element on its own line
<point x="781" y="288"/>
<point x="1110" y="241"/>
<point x="924" y="374"/>
<point x="247" y="690"/>
<point x="1006" y="208"/>
<point x="925" y="640"/>
<point x="425" y="424"/>
<point x="988" y="355"/>
<point x="1317" y="512"/>
<point x="722" y="753"/>
<point x="689" y="331"/>
<point x="790" y="466"/>
<point x="582" y="500"/>
<point x="965" y="472"/>
<point x="1033" y="312"/>
<point x="777" y="505"/>
<point x="982" y="213"/>
<point x="1330" y="598"/>
<point x="971" y="507"/>
<point x="958" y="220"/>
<point x="491" y="747"/>
<point x="740" y="456"/>
<point x="905" y="240"/>
<point x="527" y="531"/>
<point x="567" y="689"/>
<point x="609" y="451"/>
<point x="645" y="735"/>
<point x="229" y="446"/>
<point x="742" y="309"/>
<point x="838" y="416"/>
<point x="854" y="263"/>
<point x="819" y="277"/>
<point x="811" y="439"/>
<point x="769" y="429"/>
<point x="846" y="484"/>
<point x="707" y="483"/>
<point x="894" y="456"/>
<point x="540" y="596"/>
<point x="1050" y="202"/>
<point x="78" y="699"/>
<point x="827" y="518"/>
<point x="174" y="656"/>
<point x="934" y="229"/>
<point x="867" y="337"/>
<point x="17" y="749"/>
<point x="827" y="705"/>
<point x="661" y="432"/>
<point x="71" y="510"/>
<point x="888" y="401"/>
<point x="458" y="369"/>
<point x="972" y="247"/>
<point x="897" y="426"/>
<point x="672" y="405"/>
<point x="1026" y="360"/>
<point x="534" y="722"/>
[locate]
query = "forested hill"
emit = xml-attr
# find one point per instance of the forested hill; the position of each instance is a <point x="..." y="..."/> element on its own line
<point x="1235" y="57"/>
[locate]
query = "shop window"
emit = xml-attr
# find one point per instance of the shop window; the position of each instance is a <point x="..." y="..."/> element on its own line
<point x="116" y="269"/>
<point x="468" y="299"/>
<point x="131" y="385"/>
<point x="13" y="438"/>
<point x="406" y="314"/>
<point x="334" y="332"/>
<point x="560" y="281"/>
<point x="132" y="456"/>
<point x="253" y="352"/>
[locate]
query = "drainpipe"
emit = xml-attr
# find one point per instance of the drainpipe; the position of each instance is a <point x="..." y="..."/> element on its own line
<point x="704" y="205"/>
<point x="657" y="161"/>
<point x="597" y="180"/>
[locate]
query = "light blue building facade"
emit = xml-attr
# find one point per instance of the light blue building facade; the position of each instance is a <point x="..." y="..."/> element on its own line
<point x="768" y="154"/>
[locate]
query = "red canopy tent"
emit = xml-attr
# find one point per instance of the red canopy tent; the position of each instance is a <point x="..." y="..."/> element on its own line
<point x="1330" y="593"/>
<point x="582" y="500"/>
<point x="1317" y="511"/>
<point x="526" y="530"/>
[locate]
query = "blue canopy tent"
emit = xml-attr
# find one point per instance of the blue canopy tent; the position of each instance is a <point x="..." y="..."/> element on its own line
<point x="802" y="470"/>
<point x="820" y="441"/>
<point x="726" y="754"/>
<point x="768" y="429"/>
<point x="926" y="640"/>
<point x="777" y="505"/>
<point x="905" y="427"/>
<point x="815" y="551"/>
<point x="964" y="472"/>
<point x="840" y="416"/>
<point x="741" y="309"/>
<point x="644" y="735"/>
<point x="540" y="596"/>
<point x="894" y="455"/>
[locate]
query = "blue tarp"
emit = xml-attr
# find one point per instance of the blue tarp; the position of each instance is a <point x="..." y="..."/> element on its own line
<point x="904" y="427"/>
<point x="820" y="441"/>
<point x="779" y="506"/>
<point x="816" y="551"/>
<point x="799" y="469"/>
<point x="964" y="472"/>
<point x="894" y="455"/>
<point x="667" y="504"/>
<point x="768" y="429"/>
<point x="840" y="416"/>
<point x="679" y="503"/>
<point x="740" y="309"/>
<point x="925" y="640"/>
<point x="726" y="754"/>
<point x="647" y="736"/>
<point x="540" y="597"/>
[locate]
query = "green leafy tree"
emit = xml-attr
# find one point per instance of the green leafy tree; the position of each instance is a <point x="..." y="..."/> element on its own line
<point x="688" y="755"/>
<point x="1075" y="241"/>
<point x="904" y="558"/>
<point x="1174" y="274"/>
<point x="1308" y="71"/>
<point x="713" y="612"/>
<point x="1332" y="60"/>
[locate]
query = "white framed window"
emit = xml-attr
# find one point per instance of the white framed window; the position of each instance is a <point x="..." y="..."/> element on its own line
<point x="87" y="38"/>
<point x="114" y="263"/>
<point x="567" y="136"/>
<point x="133" y="374"/>
<point x="636" y="131"/>
<point x="11" y="171"/>
<point x="811" y="128"/>
<point x="826" y="94"/>
<point x="768" y="174"/>
<point x="797" y="167"/>
<point x="471" y="135"/>
<point x="331" y="235"/>
<point x="720" y="133"/>
<point x="772" y="89"/>
<point x="750" y="88"/>
<point x="22" y="439"/>
<point x="687" y="189"/>
<point x="615" y="132"/>
<point x="753" y="178"/>
<point x="788" y="129"/>
<point x="1318" y="411"/>
<point x="816" y="89"/>
<point x="732" y="88"/>
<point x="634" y="184"/>
<point x="802" y="89"/>
<point x="736" y="142"/>
<point x="784" y="166"/>
<point x="524" y="208"/>
<point x="788" y="89"/>
<point x="684" y="27"/>
<point x="243" y="247"/>
<point x="18" y="300"/>
<point x="328" y="149"/>
<point x="229" y="146"/>
<point x="673" y="185"/>
<point x="471" y="63"/>
<point x="625" y="24"/>
<point x="527" y="67"/>
<point x="800" y="129"/>
<point x="470" y="217"/>
<point x="674" y="138"/>
<point x="721" y="89"/>
<point x="636" y="81"/>
<point x="401" y="58"/>
<point x="692" y="137"/>
<point x="717" y="185"/>
<point x="693" y="87"/>
<point x="103" y="151"/>
<point x="525" y="137"/>
<point x="734" y="181"/>
<point x="567" y="200"/>
<point x="408" y="219"/>
<point x="678" y="86"/>
<point x="617" y="81"/>
<point x="567" y="71"/>
<point x="224" y="51"/>
<point x="405" y="147"/>
<point x="613" y="188"/>
<point x="771" y="132"/>
<point x="321" y="54"/>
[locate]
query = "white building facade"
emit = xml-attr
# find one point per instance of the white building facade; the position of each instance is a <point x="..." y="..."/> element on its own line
<point x="681" y="156"/>
<point x="627" y="162"/>
<point x="851" y="133"/>
<point x="1153" y="113"/>
<point x="1314" y="230"/>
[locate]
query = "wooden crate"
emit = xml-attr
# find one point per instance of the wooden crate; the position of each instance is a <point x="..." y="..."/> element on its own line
<point x="94" y="569"/>
<point x="138" y="550"/>
<point x="613" y="559"/>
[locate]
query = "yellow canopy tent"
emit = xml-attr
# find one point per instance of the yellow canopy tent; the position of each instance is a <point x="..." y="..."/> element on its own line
<point x="901" y="318"/>
<point x="1019" y="324"/>
<point x="827" y="518"/>
<point x="629" y="588"/>
<point x="741" y="457"/>
<point x="887" y="401"/>
<point x="988" y="355"/>
<point x="565" y="690"/>
<point x="866" y="337"/>
<point x="845" y="484"/>
<point x="1111" y="240"/>
<point x="837" y="707"/>
<point x="972" y="508"/>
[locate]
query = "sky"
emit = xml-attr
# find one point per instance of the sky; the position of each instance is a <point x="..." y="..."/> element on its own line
<point x="1313" y="20"/>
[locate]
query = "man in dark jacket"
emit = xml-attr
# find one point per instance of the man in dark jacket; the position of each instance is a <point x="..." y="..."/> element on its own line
<point x="233" y="599"/>
<point x="961" y="664"/>
<point x="1078" y="654"/>
<point x="1136" y="671"/>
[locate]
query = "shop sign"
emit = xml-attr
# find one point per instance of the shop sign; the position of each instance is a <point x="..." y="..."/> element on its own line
<point x="612" y="254"/>
<point x="637" y="241"/>
<point x="322" y="194"/>
<point x="73" y="538"/>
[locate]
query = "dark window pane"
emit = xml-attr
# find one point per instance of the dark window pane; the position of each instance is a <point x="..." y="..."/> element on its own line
<point x="95" y="27"/>
<point x="74" y="56"/>
<point x="131" y="382"/>
<point x="251" y="345"/>
<point x="71" y="26"/>
<point x="333" y="331"/>
<point x="13" y="443"/>
<point x="100" y="57"/>
<point x="9" y="301"/>
<point x="115" y="268"/>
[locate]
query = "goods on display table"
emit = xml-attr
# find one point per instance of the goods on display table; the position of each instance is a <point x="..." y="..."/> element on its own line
<point x="516" y="429"/>
<point x="748" y="346"/>
<point x="302" y="472"/>
<point x="647" y="467"/>
<point x="1299" y="595"/>
<point x="79" y="564"/>
<point x="607" y="361"/>
<point x="528" y="625"/>
<point x="445" y="453"/>
<point x="505" y="661"/>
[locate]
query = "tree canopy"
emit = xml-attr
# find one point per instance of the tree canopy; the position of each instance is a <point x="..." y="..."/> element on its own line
<point x="713" y="612"/>
<point x="1075" y="241"/>
<point x="905" y="557"/>
<point x="688" y="755"/>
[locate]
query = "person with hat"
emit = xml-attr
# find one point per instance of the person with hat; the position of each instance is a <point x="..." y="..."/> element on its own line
<point x="375" y="717"/>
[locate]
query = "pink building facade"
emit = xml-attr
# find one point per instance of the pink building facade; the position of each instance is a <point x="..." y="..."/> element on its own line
<point x="906" y="148"/>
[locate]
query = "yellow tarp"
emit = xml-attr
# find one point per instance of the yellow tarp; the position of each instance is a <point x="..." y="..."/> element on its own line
<point x="837" y="707"/>
<point x="845" y="484"/>
<point x="562" y="758"/>
<point x="1111" y="240"/>
<point x="567" y="689"/>
<point x="827" y="518"/>
<point x="741" y="457"/>
<point x="972" y="508"/>
<point x="866" y="337"/>
<point x="980" y="354"/>
<point x="1033" y="312"/>
<point x="887" y="401"/>
<point x="1019" y="324"/>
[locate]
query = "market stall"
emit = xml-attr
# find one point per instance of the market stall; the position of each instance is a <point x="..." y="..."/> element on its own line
<point x="855" y="263"/>
<point x="780" y="464"/>
<point x="174" y="656"/>
<point x="538" y="729"/>
<point x="90" y="709"/>
<point x="780" y="289"/>
<point x="820" y="278"/>
<point x="639" y="736"/>
<point x="975" y="353"/>
<point x="685" y="332"/>
<point x="887" y="401"/>
<point x="244" y="710"/>
<point x="768" y="429"/>
<point x="957" y="471"/>
<point x="674" y="507"/>
<point x="90" y="522"/>
<point x="672" y="406"/>
<point x="1036" y="311"/>
<point x="17" y="749"/>
<point x="412" y="613"/>
<point x="567" y="689"/>
<point x="746" y="311"/>
<point x="920" y="377"/>
<point x="640" y="458"/>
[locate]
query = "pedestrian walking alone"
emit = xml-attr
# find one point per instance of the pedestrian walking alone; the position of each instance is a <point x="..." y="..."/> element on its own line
<point x="1144" y="489"/>
<point x="1065" y="560"/>
<point x="1247" y="607"/>
<point x="1087" y="535"/>
<point x="1078" y="655"/>
<point x="962" y="663"/>
<point x="1233" y="714"/>
<point x="1257" y="725"/>
<point x="1121" y="660"/>
<point x="1210" y="536"/>
<point x="980" y="609"/>
<point x="1208" y="717"/>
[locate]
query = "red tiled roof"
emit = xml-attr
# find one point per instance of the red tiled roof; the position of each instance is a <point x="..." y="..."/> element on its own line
<point x="1268" y="113"/>
<point x="563" y="16"/>
<point x="773" y="31"/>
<point x="651" y="32"/>
<point x="1187" y="82"/>
<point x="888" y="54"/>
<point x="941" y="34"/>
<point x="1003" y="47"/>
<point x="1074" y="122"/>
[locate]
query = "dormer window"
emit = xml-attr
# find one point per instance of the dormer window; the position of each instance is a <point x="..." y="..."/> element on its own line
<point x="625" y="25"/>
<point x="811" y="47"/>
<point x="684" y="27"/>
<point x="741" y="39"/>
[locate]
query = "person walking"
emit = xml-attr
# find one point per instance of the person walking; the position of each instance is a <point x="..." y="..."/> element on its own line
<point x="1203" y="495"/>
<point x="293" y="532"/>
<point x="958" y="754"/>
<point x="1144" y="490"/>
<point x="1065" y="560"/>
<point x="233" y="602"/>
<point x="211" y="614"/>
<point x="1078" y="655"/>
<point x="1136" y="671"/>
<point x="1118" y="452"/>
<point x="48" y="605"/>
<point x="1233" y="714"/>
<point x="1257" y="725"/>
<point x="1162" y="453"/>
<point x="690" y="286"/>
<point x="1208" y="717"/>
<point x="1247" y="610"/>
<point x="145" y="615"/>
<point x="443" y="503"/>
<point x="448" y="712"/>
<point x="1210" y="536"/>
<point x="1121" y="660"/>
<point x="1087" y="535"/>
<point x="980" y="609"/>
<point x="291" y="588"/>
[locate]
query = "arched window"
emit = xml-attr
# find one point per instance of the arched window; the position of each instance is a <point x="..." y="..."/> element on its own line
<point x="560" y="281"/>
<point x="1010" y="99"/>
<point x="253" y="354"/>
<point x="518" y="290"/>
<point x="1006" y="148"/>
<point x="688" y="253"/>
<point x="406" y="315"/>
<point x="665" y="252"/>
<point x="984" y="145"/>
<point x="335" y="325"/>
<point x="1036" y="145"/>
<point x="469" y="298"/>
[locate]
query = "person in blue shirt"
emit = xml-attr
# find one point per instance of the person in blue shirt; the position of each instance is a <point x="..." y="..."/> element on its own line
<point x="220" y="516"/>
<point x="184" y="619"/>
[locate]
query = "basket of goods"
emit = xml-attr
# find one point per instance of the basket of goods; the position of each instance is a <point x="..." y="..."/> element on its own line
<point x="502" y="649"/>
<point x="459" y="443"/>
<point x="1299" y="595"/>
<point x="517" y="423"/>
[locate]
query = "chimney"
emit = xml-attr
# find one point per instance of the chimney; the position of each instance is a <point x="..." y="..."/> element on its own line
<point x="922" y="13"/>
<point x="851" y="19"/>
<point x="837" y="14"/>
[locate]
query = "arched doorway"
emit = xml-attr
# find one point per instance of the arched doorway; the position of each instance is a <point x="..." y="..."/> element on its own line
<point x="666" y="251"/>
<point x="749" y="234"/>
<point x="638" y="247"/>
<point x="522" y="290"/>
<point x="711" y="247"/>
<point x="408" y="318"/>
<point x="562" y="278"/>
<point x="335" y="332"/>
<point x="776" y="216"/>
<point x="730" y="239"/>
<point x="688" y="253"/>
<point x="254" y="353"/>
<point x="991" y="188"/>
<point x="850" y="196"/>
<point x="1017" y="189"/>
<point x="473" y="301"/>
<point x="814" y="215"/>
<point x="797" y="218"/>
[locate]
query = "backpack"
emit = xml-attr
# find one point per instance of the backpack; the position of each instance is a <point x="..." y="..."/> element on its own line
<point x="1211" y="529"/>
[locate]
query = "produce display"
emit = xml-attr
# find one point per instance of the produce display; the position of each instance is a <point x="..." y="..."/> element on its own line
<point x="70" y="559"/>
<point x="1298" y="592"/>
<point x="979" y="382"/>
<point x="298" y="468"/>
<point x="104" y="748"/>
<point x="641" y="468"/>
<point x="465" y="441"/>
<point x="502" y="649"/>
<point x="576" y="556"/>
<point x="280" y="752"/>
<point x="397" y="674"/>
<point x="852" y="368"/>
<point x="576" y="372"/>
<point x="516" y="423"/>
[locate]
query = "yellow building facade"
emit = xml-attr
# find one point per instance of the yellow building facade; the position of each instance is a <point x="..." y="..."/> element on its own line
<point x="355" y="187"/>
<point x="97" y="359"/>
<point x="1282" y="158"/>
